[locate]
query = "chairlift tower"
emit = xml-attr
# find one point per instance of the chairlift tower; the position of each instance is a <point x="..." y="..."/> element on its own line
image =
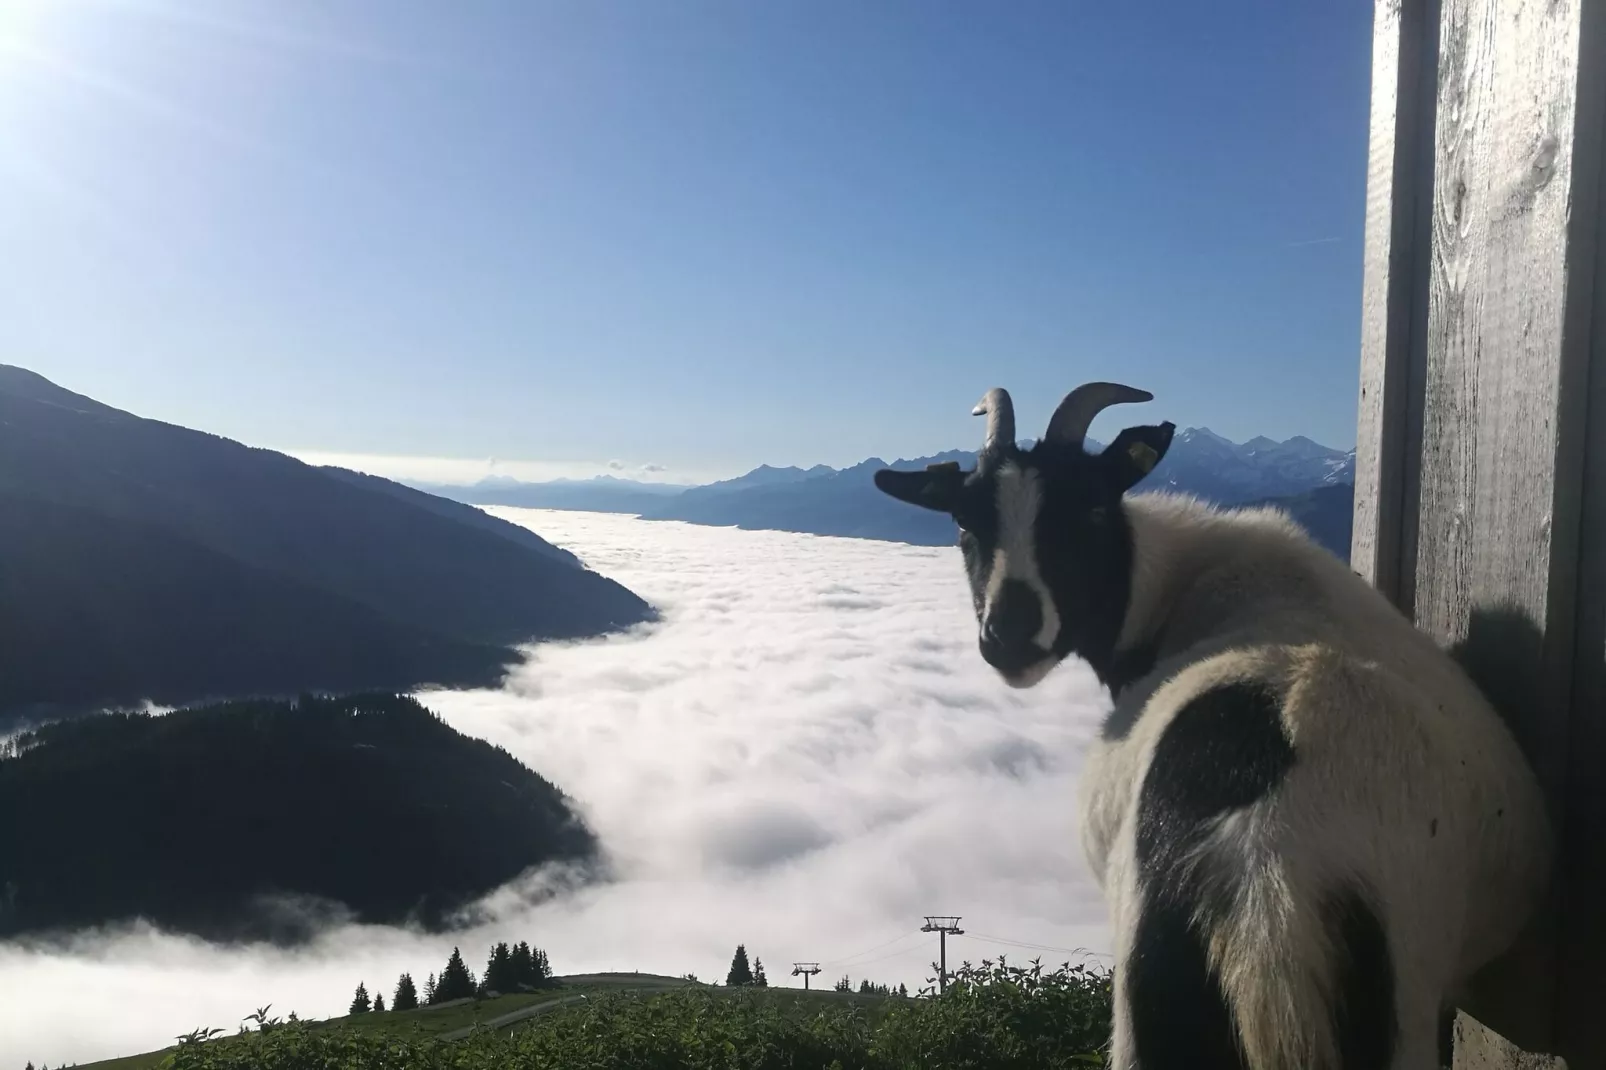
<point x="807" y="969"/>
<point x="943" y="927"/>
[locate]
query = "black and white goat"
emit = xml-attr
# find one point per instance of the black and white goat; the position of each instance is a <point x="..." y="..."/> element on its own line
<point x="1310" y="826"/>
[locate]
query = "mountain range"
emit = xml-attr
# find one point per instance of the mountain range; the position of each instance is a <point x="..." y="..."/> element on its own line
<point x="141" y="560"/>
<point x="1315" y="483"/>
<point x="144" y="561"/>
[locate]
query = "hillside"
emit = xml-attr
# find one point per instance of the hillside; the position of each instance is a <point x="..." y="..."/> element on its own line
<point x="197" y="819"/>
<point x="454" y="510"/>
<point x="95" y="609"/>
<point x="828" y="501"/>
<point x="996" y="1015"/>
<point x="1204" y="463"/>
<point x="1327" y="512"/>
<point x="423" y="590"/>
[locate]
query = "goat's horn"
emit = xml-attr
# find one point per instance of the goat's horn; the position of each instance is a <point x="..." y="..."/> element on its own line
<point x="1070" y="421"/>
<point x="1000" y="413"/>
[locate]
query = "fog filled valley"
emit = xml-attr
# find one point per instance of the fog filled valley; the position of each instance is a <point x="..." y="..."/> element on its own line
<point x="804" y="755"/>
<point x="607" y="527"/>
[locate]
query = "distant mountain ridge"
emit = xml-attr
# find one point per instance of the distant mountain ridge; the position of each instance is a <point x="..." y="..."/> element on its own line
<point x="141" y="560"/>
<point x="844" y="502"/>
<point x="603" y="494"/>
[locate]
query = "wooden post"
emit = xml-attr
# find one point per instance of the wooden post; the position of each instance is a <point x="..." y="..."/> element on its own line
<point x="1480" y="503"/>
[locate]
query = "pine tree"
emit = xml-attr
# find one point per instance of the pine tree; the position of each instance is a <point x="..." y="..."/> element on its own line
<point x="740" y="972"/>
<point x="499" y="976"/>
<point x="903" y="989"/>
<point x="359" y="1002"/>
<point x="431" y="995"/>
<point x="844" y="985"/>
<point x="379" y="1003"/>
<point x="523" y="967"/>
<point x="543" y="968"/>
<point x="406" y="997"/>
<point x="759" y="980"/>
<point x="456" y="982"/>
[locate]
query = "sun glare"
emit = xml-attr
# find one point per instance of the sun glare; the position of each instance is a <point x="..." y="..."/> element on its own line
<point x="19" y="20"/>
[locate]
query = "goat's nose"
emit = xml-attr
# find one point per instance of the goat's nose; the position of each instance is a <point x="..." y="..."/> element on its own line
<point x="1014" y="618"/>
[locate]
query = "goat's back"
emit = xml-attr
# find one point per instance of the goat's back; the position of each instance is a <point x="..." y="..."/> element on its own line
<point x="1310" y="805"/>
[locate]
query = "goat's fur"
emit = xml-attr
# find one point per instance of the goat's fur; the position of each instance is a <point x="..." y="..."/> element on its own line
<point x="1310" y="826"/>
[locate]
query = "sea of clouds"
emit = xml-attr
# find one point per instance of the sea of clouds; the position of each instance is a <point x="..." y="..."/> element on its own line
<point x="807" y="756"/>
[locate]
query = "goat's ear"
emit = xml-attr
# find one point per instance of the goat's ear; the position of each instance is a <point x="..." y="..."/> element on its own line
<point x="1135" y="452"/>
<point x="935" y="488"/>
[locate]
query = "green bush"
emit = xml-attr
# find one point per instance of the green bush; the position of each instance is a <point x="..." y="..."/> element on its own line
<point x="993" y="1016"/>
<point x="1001" y="1016"/>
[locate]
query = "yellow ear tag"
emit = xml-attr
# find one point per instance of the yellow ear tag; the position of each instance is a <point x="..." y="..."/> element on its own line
<point x="1144" y="456"/>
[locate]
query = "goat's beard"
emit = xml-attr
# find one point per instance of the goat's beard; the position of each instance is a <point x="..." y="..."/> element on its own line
<point x="1033" y="674"/>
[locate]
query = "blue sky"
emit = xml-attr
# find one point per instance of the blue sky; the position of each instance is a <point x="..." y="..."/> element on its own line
<point x="699" y="235"/>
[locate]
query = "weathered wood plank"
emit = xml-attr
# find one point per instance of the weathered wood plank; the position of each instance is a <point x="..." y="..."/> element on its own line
<point x="1478" y="1049"/>
<point x="1474" y="503"/>
<point x="1394" y="293"/>
<point x="1509" y="316"/>
<point x="1582" y="951"/>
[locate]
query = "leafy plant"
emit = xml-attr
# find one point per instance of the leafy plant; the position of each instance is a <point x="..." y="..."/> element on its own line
<point x="991" y="1016"/>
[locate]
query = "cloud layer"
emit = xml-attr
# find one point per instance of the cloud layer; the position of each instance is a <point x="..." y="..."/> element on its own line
<point x="463" y="471"/>
<point x="807" y="756"/>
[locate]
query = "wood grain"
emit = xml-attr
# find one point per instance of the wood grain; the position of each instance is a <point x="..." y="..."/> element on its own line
<point x="1394" y="293"/>
<point x="1497" y="283"/>
<point x="1478" y="414"/>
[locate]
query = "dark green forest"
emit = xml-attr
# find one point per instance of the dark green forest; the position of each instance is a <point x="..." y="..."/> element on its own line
<point x="205" y="820"/>
<point x="508" y="968"/>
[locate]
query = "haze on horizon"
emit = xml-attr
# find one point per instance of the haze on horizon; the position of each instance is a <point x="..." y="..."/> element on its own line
<point x="680" y="241"/>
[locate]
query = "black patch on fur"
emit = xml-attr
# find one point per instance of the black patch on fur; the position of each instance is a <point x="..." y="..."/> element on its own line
<point x="1178" y="1012"/>
<point x="1129" y="666"/>
<point x="1090" y="575"/>
<point x="1363" y="1016"/>
<point x="1223" y="751"/>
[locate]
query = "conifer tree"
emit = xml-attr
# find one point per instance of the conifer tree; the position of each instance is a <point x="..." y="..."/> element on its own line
<point x="406" y="997"/>
<point x="499" y="975"/>
<point x="740" y="972"/>
<point x="456" y="982"/>
<point x="431" y="994"/>
<point x="759" y="980"/>
<point x="543" y="968"/>
<point x="844" y="985"/>
<point x="379" y="1003"/>
<point x="359" y="1002"/>
<point x="523" y="967"/>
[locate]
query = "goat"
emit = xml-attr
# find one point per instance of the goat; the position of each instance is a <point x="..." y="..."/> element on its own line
<point x="1309" y="826"/>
